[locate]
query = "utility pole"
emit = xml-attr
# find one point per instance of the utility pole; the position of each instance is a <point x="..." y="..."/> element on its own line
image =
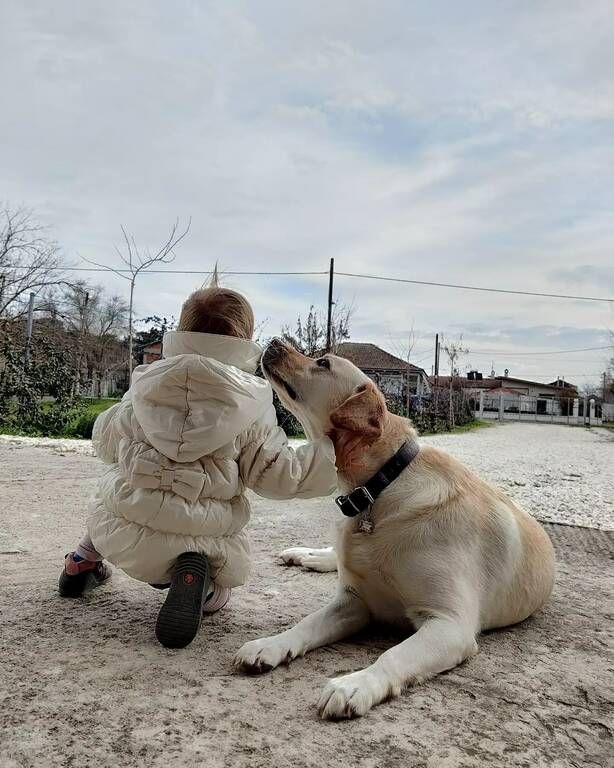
<point x="604" y="386"/>
<point x="435" y="395"/>
<point x="82" y="326"/>
<point x="26" y="356"/>
<point x="329" y="323"/>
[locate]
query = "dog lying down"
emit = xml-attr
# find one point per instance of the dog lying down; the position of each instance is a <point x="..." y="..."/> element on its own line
<point x="439" y="549"/>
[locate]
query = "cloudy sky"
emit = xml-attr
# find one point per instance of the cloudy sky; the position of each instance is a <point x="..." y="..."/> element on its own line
<point x="454" y="142"/>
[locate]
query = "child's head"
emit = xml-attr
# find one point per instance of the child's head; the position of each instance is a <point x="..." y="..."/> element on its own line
<point x="217" y="310"/>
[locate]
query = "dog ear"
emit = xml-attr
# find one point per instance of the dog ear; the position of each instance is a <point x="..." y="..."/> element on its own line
<point x="364" y="412"/>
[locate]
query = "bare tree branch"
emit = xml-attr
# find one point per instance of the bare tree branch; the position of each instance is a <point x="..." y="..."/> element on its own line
<point x="136" y="263"/>
<point x="29" y="259"/>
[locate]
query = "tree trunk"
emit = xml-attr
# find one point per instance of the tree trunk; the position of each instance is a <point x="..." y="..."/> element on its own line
<point x="130" y="332"/>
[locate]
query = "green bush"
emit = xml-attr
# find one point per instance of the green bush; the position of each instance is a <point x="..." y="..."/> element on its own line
<point x="286" y="420"/>
<point x="28" y="376"/>
<point x="85" y="414"/>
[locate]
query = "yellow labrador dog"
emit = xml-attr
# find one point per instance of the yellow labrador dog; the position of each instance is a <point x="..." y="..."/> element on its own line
<point x="439" y="548"/>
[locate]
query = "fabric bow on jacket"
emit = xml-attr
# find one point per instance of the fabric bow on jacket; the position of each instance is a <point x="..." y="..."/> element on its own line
<point x="185" y="482"/>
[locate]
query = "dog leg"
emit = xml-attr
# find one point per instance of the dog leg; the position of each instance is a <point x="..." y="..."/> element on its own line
<point x="323" y="560"/>
<point x="341" y="618"/>
<point x="439" y="644"/>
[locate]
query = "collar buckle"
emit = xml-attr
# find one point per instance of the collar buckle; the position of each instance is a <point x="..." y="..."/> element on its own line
<point x="356" y="502"/>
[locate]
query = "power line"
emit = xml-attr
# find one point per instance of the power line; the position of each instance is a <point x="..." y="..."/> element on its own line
<point x="571" y="374"/>
<point x="175" y="271"/>
<point x="422" y="354"/>
<point x="320" y="273"/>
<point x="539" y="354"/>
<point x="473" y="287"/>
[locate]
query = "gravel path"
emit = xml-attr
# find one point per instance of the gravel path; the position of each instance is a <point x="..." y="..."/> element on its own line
<point x="560" y="474"/>
<point x="84" y="683"/>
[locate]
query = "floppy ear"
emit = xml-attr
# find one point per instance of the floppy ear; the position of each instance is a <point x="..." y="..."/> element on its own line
<point x="363" y="413"/>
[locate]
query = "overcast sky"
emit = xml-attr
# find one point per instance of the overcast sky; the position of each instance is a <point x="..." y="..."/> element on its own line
<point x="463" y="142"/>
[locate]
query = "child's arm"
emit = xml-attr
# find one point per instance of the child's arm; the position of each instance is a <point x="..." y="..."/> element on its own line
<point x="105" y="436"/>
<point x="271" y="468"/>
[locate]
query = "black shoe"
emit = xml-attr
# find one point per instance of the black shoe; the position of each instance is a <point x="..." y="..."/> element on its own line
<point x="81" y="576"/>
<point x="180" y="616"/>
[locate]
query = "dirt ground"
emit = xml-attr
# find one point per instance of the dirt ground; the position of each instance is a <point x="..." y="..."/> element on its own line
<point x="84" y="683"/>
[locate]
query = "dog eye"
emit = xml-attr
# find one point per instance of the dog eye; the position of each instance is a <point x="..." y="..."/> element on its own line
<point x="323" y="362"/>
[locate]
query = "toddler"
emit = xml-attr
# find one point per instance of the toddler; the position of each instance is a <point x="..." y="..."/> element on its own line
<point x="193" y="432"/>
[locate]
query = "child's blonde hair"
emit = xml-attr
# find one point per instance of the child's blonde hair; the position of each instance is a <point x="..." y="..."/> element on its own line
<point x="213" y="309"/>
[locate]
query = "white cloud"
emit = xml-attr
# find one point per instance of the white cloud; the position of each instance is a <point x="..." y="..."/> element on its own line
<point x="452" y="142"/>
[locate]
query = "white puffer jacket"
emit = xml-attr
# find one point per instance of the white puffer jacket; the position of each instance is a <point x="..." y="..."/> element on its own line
<point x="194" y="431"/>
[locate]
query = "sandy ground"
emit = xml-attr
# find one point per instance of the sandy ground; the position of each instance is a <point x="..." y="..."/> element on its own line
<point x="84" y="683"/>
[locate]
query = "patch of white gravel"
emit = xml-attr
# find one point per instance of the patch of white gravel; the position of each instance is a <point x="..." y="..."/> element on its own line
<point x="55" y="444"/>
<point x="558" y="473"/>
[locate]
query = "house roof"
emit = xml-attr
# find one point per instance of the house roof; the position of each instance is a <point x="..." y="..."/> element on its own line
<point x="510" y="379"/>
<point x="444" y="381"/>
<point x="562" y="384"/>
<point x="500" y="381"/>
<point x="373" y="358"/>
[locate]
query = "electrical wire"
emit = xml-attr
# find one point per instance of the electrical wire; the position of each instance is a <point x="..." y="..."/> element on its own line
<point x="320" y="273"/>
<point x="539" y="354"/>
<point x="473" y="287"/>
<point x="123" y="270"/>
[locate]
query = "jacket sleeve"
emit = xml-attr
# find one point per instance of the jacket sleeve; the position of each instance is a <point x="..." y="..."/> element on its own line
<point x="106" y="436"/>
<point x="273" y="469"/>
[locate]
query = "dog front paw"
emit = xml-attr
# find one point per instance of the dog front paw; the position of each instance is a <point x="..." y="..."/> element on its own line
<point x="322" y="560"/>
<point x="295" y="555"/>
<point x="348" y="696"/>
<point x="260" y="656"/>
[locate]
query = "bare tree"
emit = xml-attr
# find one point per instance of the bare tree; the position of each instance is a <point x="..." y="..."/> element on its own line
<point x="29" y="260"/>
<point x="403" y="348"/>
<point x="136" y="263"/>
<point x="309" y="336"/>
<point x="89" y="309"/>
<point x="89" y="322"/>
<point x="454" y="350"/>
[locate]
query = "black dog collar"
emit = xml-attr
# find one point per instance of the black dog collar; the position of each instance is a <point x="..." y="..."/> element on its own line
<point x="364" y="496"/>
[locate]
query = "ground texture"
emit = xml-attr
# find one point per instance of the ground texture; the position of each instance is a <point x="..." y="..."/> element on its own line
<point x="83" y="683"/>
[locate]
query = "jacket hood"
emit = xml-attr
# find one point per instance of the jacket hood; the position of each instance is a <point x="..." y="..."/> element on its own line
<point x="241" y="353"/>
<point x="191" y="403"/>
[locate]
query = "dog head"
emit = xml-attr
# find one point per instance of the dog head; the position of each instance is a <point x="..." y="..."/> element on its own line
<point x="329" y="396"/>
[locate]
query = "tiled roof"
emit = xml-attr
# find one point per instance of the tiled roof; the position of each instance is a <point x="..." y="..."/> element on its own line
<point x="444" y="381"/>
<point x="372" y="358"/>
<point x="499" y="381"/>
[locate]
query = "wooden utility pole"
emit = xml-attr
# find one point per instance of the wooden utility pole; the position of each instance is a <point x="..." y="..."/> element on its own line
<point x="435" y="393"/>
<point x="329" y="322"/>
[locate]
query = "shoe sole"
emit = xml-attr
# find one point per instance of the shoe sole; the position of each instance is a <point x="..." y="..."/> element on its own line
<point x="181" y="615"/>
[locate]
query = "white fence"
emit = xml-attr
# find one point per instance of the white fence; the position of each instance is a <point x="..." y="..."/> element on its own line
<point x="549" y="410"/>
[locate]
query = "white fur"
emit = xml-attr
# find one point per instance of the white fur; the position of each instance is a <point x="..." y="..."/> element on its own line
<point x="322" y="560"/>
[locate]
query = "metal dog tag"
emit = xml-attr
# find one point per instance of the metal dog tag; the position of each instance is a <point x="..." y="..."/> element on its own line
<point x="365" y="526"/>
